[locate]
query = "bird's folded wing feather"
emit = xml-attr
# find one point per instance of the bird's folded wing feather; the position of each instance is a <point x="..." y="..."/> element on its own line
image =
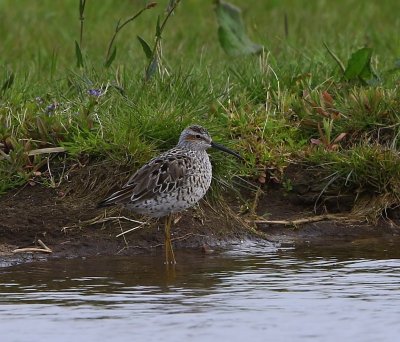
<point x="161" y="175"/>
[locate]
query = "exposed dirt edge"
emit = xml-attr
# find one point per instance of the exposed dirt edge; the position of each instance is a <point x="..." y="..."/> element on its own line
<point x="63" y="219"/>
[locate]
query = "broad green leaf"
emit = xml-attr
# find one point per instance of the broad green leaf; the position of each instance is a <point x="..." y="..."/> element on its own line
<point x="146" y="48"/>
<point x="78" y="53"/>
<point x="231" y="31"/>
<point x="368" y="75"/>
<point x="359" y="65"/>
<point x="111" y="58"/>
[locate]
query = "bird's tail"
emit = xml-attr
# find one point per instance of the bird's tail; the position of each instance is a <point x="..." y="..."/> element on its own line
<point x="105" y="203"/>
<point x="117" y="197"/>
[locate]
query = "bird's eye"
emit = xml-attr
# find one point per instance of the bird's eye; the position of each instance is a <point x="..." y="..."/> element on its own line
<point x="198" y="136"/>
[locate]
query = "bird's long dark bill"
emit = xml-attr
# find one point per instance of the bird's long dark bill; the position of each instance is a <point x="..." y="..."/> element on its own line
<point x="225" y="149"/>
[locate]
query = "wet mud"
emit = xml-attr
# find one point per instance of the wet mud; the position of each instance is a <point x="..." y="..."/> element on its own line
<point x="67" y="221"/>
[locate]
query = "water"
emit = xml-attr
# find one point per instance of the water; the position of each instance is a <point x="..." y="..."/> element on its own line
<point x="251" y="293"/>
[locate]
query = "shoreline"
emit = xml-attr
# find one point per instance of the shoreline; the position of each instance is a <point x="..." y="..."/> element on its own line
<point x="68" y="223"/>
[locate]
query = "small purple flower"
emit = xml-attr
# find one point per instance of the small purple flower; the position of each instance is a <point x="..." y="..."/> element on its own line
<point x="51" y="108"/>
<point x="95" y="92"/>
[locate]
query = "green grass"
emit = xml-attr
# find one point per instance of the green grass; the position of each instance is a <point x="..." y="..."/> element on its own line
<point x="267" y="107"/>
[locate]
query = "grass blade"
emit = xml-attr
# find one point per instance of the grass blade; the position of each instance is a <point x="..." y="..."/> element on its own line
<point x="8" y="82"/>
<point x="119" y="27"/>
<point x="336" y="58"/>
<point x="46" y="150"/>
<point x="78" y="53"/>
<point x="110" y="59"/>
<point x="158" y="28"/>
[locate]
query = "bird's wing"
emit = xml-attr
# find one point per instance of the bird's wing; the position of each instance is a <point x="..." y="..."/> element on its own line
<point x="162" y="174"/>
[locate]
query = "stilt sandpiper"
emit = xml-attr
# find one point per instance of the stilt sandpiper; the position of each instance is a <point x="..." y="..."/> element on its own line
<point x="171" y="182"/>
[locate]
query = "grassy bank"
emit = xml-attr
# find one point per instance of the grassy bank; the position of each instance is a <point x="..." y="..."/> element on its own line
<point x="291" y="104"/>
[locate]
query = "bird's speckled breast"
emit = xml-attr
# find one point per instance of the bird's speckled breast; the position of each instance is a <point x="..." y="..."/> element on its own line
<point x="195" y="185"/>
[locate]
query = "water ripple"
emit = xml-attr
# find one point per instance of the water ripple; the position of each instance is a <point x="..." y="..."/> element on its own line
<point x="246" y="293"/>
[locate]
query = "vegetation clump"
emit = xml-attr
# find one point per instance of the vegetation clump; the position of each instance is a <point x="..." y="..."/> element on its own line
<point x="324" y="95"/>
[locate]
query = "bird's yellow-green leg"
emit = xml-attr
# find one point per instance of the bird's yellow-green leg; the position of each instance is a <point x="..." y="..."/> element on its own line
<point x="169" y="252"/>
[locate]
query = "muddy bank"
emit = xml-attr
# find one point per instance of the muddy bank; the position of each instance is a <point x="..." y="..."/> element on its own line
<point x="67" y="221"/>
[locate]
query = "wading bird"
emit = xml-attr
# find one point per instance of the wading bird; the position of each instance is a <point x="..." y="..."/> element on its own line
<point x="171" y="182"/>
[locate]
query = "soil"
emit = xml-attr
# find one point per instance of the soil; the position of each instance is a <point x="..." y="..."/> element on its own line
<point x="66" y="219"/>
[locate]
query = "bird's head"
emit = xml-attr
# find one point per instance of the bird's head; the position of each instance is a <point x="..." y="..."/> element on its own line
<point x="197" y="138"/>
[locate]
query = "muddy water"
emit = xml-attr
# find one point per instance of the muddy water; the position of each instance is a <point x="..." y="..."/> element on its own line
<point x="349" y="292"/>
